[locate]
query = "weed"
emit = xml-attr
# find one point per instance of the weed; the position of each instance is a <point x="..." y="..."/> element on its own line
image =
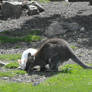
<point x="12" y="65"/>
<point x="73" y="47"/>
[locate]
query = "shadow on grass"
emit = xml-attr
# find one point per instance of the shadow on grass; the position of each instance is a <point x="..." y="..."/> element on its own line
<point x="46" y="73"/>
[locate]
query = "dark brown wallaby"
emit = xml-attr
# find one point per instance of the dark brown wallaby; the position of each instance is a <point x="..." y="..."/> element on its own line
<point x="53" y="52"/>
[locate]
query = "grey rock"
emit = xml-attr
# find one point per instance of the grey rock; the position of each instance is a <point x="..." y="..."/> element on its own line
<point x="54" y="29"/>
<point x="11" y="9"/>
<point x="72" y="26"/>
<point x="40" y="8"/>
<point x="32" y="10"/>
<point x="2" y="64"/>
<point x="90" y="2"/>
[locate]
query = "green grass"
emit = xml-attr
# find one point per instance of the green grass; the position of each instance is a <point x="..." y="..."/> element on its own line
<point x="73" y="47"/>
<point x="12" y="65"/>
<point x="28" y="38"/>
<point x="12" y="73"/>
<point x="10" y="57"/>
<point x="78" y="80"/>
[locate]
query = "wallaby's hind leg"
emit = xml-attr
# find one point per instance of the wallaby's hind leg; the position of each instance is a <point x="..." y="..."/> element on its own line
<point x="43" y="68"/>
<point x="53" y="67"/>
<point x="54" y="63"/>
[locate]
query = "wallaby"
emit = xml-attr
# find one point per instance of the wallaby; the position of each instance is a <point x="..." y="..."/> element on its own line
<point x="53" y="52"/>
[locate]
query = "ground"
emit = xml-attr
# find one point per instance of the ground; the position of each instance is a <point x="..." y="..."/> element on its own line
<point x="79" y="13"/>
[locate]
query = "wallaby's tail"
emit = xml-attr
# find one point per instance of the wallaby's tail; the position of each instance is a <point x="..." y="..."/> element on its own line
<point x="76" y="59"/>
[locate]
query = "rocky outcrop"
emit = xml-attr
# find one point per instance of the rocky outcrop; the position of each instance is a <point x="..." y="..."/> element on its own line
<point x="16" y="9"/>
<point x="11" y="9"/>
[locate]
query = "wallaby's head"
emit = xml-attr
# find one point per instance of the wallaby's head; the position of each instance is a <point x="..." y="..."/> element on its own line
<point x="30" y="62"/>
<point x="31" y="59"/>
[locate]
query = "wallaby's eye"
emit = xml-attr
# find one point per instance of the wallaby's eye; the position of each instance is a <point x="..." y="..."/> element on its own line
<point x="29" y="54"/>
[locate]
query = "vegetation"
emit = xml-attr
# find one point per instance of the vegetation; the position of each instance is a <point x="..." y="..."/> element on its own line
<point x="73" y="78"/>
<point x="10" y="57"/>
<point x="73" y="47"/>
<point x="12" y="73"/>
<point x="28" y="38"/>
<point x="12" y="65"/>
<point x="11" y="70"/>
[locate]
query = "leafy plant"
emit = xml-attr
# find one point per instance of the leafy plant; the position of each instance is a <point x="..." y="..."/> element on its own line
<point x="19" y="72"/>
<point x="67" y="69"/>
<point x="73" y="47"/>
<point x="12" y="65"/>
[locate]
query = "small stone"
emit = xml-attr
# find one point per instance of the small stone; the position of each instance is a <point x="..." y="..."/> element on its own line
<point x="36" y="83"/>
<point x="32" y="10"/>
<point x="82" y="29"/>
<point x="5" y="78"/>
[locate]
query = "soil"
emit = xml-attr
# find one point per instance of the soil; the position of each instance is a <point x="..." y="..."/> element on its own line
<point x="61" y="12"/>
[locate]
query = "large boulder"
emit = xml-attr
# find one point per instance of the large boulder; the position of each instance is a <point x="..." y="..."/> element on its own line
<point x="72" y="26"/>
<point x="33" y="8"/>
<point x="59" y="28"/>
<point x="11" y="9"/>
<point x="90" y="2"/>
<point x="54" y="29"/>
<point x="16" y="9"/>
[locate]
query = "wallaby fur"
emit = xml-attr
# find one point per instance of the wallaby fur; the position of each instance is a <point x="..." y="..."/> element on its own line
<point x="53" y="52"/>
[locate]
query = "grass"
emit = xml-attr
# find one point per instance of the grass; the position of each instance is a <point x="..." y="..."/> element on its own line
<point x="28" y="38"/>
<point x="12" y="73"/>
<point x="72" y="78"/>
<point x="12" y="65"/>
<point x="75" y="79"/>
<point x="10" y="57"/>
<point x="73" y="47"/>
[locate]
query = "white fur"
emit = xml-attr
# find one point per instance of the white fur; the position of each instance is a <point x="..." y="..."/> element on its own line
<point x="24" y="57"/>
<point x="67" y="0"/>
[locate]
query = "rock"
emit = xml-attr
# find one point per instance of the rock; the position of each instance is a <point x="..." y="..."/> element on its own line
<point x="33" y="7"/>
<point x="1" y="30"/>
<point x="90" y="2"/>
<point x="11" y="9"/>
<point x="16" y="9"/>
<point x="40" y="8"/>
<point x="0" y="3"/>
<point x="72" y="26"/>
<point x="5" y="78"/>
<point x="2" y="64"/>
<point x="54" y="29"/>
<point x="32" y="10"/>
